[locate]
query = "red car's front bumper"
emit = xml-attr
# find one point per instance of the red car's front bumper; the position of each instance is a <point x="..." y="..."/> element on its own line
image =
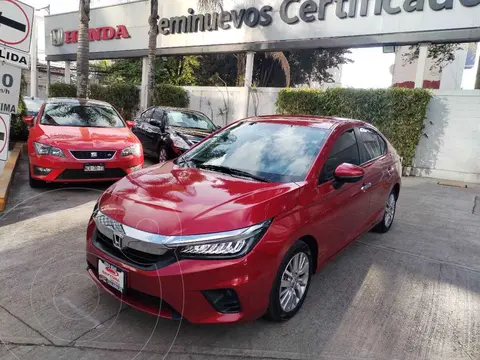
<point x="179" y="287"/>
<point x="69" y="169"/>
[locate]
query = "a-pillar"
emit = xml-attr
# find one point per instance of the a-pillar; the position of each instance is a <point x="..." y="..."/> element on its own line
<point x="67" y="72"/>
<point x="248" y="81"/>
<point x="143" y="90"/>
<point x="421" y="62"/>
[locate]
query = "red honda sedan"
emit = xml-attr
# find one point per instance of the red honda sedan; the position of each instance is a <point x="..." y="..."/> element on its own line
<point x="235" y="228"/>
<point x="74" y="140"/>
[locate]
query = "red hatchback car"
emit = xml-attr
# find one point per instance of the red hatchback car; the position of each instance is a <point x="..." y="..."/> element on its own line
<point x="74" y="140"/>
<point x="235" y="228"/>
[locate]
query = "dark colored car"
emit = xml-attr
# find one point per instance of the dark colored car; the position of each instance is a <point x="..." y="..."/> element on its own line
<point x="235" y="228"/>
<point x="166" y="133"/>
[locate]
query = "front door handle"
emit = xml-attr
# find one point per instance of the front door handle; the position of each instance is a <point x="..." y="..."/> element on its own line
<point x="366" y="186"/>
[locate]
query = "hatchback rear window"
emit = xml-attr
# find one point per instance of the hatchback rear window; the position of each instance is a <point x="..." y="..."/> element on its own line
<point x="79" y="115"/>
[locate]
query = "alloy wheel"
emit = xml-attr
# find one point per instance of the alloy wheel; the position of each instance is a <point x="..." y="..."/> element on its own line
<point x="294" y="282"/>
<point x="390" y="210"/>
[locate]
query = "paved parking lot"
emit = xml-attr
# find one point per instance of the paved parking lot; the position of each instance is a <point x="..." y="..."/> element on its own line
<point x="413" y="293"/>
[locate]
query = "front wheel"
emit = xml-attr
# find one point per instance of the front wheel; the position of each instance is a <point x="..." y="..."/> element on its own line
<point x="291" y="284"/>
<point x="389" y="214"/>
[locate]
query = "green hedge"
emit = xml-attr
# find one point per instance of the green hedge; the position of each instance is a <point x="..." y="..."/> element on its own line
<point x="62" y="90"/>
<point x="398" y="113"/>
<point x="170" y="95"/>
<point x="125" y="98"/>
<point x="18" y="128"/>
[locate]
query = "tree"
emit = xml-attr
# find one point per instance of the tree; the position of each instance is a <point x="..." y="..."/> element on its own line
<point x="477" y="77"/>
<point x="83" y="49"/>
<point x="306" y="67"/>
<point x="441" y="54"/>
<point x="241" y="58"/>
<point x="152" y="49"/>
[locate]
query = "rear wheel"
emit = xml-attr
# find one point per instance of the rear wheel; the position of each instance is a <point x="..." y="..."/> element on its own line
<point x="389" y="214"/>
<point x="291" y="284"/>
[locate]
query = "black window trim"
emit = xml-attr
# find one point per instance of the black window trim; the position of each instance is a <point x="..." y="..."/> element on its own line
<point x="356" y="134"/>
<point x="363" y="156"/>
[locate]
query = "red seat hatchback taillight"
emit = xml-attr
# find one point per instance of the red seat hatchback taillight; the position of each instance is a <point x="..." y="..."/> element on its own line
<point x="236" y="227"/>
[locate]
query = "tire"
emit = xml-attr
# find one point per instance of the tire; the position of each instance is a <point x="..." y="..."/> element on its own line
<point x="35" y="184"/>
<point x="388" y="216"/>
<point x="163" y="154"/>
<point x="282" y="311"/>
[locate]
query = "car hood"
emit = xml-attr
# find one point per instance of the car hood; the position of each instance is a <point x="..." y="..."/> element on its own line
<point x="171" y="200"/>
<point x="70" y="137"/>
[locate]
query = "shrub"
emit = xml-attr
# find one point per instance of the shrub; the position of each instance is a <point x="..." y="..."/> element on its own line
<point x="125" y="98"/>
<point x="18" y="128"/>
<point x="62" y="90"/>
<point x="170" y="95"/>
<point x="398" y="113"/>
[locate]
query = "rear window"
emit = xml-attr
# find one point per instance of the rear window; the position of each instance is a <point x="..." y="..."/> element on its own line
<point x="189" y="120"/>
<point x="81" y="115"/>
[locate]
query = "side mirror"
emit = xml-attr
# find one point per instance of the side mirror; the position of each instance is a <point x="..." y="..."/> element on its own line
<point x="347" y="173"/>
<point x="130" y="124"/>
<point x="28" y="120"/>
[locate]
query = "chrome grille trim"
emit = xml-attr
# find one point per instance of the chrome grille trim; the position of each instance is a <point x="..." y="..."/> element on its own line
<point x="159" y="244"/>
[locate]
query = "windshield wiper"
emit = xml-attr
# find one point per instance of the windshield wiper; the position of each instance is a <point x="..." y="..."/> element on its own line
<point x="231" y="171"/>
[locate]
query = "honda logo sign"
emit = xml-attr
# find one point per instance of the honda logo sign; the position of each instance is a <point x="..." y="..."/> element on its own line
<point x="58" y="37"/>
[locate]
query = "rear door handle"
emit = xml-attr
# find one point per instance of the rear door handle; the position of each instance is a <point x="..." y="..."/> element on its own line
<point x="366" y="186"/>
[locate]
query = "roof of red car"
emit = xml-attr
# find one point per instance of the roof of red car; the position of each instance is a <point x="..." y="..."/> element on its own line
<point x="76" y="101"/>
<point x="324" y="122"/>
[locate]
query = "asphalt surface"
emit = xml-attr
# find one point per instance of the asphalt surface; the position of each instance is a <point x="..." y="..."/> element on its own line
<point x="413" y="293"/>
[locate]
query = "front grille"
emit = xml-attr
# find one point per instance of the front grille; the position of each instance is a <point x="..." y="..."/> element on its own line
<point x="93" y="155"/>
<point x="80" y="174"/>
<point x="132" y="257"/>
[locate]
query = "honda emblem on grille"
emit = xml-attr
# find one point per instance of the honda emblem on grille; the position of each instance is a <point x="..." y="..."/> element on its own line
<point x="93" y="154"/>
<point x="117" y="240"/>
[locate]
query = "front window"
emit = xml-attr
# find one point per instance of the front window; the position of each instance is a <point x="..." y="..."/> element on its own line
<point x="271" y="151"/>
<point x="189" y="120"/>
<point x="81" y="115"/>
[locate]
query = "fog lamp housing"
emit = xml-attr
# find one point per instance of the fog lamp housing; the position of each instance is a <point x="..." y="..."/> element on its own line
<point x="41" y="171"/>
<point x="224" y="301"/>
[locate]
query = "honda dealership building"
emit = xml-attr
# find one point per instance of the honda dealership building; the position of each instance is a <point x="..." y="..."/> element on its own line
<point x="121" y="31"/>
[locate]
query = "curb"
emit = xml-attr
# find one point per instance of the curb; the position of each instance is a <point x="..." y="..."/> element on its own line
<point x="6" y="176"/>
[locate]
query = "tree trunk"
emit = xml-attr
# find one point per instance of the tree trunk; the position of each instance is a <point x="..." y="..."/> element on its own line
<point x="152" y="50"/>
<point x="83" y="49"/>
<point x="477" y="78"/>
<point x="241" y="63"/>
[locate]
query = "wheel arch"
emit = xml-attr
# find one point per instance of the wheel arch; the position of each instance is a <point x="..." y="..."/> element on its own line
<point x="313" y="245"/>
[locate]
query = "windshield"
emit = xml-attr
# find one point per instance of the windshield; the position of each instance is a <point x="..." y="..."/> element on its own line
<point x="74" y="114"/>
<point x="272" y="151"/>
<point x="33" y="105"/>
<point x="189" y="120"/>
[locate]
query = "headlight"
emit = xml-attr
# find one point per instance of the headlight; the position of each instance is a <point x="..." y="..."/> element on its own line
<point x="179" y="142"/>
<point x="230" y="245"/>
<point x="43" y="149"/>
<point x="132" y="150"/>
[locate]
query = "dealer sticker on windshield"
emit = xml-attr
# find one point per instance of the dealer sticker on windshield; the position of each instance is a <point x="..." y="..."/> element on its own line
<point x="111" y="275"/>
